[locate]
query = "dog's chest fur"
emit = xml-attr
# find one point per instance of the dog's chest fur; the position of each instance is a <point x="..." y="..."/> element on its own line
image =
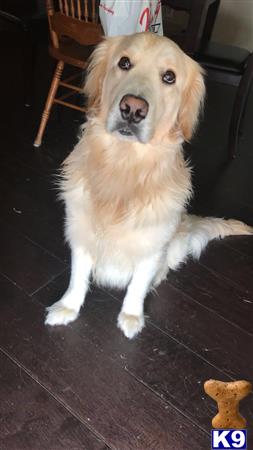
<point x="123" y="202"/>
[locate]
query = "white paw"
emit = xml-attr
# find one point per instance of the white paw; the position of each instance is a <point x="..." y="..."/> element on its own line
<point x="58" y="314"/>
<point x="130" y="325"/>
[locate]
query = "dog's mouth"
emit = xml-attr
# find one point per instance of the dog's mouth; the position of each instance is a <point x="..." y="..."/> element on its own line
<point x="125" y="131"/>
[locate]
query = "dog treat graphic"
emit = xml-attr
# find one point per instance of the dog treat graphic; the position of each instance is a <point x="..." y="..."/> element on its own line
<point x="228" y="396"/>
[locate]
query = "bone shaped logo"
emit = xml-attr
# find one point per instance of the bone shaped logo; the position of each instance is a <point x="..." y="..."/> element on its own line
<point x="228" y="396"/>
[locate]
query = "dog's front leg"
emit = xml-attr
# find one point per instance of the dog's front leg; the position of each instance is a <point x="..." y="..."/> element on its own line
<point x="131" y="317"/>
<point x="66" y="310"/>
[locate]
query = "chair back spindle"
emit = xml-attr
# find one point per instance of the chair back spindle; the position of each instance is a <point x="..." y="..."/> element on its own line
<point x="86" y="14"/>
<point x="61" y="6"/>
<point x="72" y="8"/>
<point x="66" y="7"/>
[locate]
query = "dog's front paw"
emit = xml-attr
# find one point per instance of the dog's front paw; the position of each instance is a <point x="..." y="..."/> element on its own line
<point x="130" y="325"/>
<point x="58" y="314"/>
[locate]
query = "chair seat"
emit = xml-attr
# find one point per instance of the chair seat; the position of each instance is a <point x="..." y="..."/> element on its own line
<point x="223" y="57"/>
<point x="72" y="53"/>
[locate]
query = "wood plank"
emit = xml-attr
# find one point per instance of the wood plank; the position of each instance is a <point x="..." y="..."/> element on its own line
<point x="29" y="203"/>
<point x="172" y="371"/>
<point x="203" y="331"/>
<point x="23" y="262"/>
<point x="243" y="244"/>
<point x="48" y="159"/>
<point x="230" y="264"/>
<point x="31" y="419"/>
<point x="219" y="342"/>
<point x="213" y="292"/>
<point x="128" y="415"/>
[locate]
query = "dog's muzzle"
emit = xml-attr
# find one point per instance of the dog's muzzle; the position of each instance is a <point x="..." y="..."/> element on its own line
<point x="129" y="119"/>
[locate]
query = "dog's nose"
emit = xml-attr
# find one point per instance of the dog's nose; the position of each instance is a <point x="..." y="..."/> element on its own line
<point x="133" y="109"/>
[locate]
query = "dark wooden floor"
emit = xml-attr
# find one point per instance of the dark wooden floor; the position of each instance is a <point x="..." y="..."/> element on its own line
<point x="85" y="386"/>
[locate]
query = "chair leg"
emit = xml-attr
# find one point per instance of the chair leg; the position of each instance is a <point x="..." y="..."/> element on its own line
<point x="49" y="103"/>
<point x="239" y="108"/>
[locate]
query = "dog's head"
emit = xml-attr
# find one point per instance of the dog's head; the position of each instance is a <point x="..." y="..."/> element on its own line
<point x="143" y="87"/>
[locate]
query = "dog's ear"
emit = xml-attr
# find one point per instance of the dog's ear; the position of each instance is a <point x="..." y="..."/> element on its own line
<point x="95" y="75"/>
<point x="192" y="100"/>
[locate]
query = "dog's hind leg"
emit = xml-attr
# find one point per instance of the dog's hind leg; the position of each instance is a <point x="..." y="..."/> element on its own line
<point x="195" y="233"/>
<point x="131" y="317"/>
<point x="67" y="309"/>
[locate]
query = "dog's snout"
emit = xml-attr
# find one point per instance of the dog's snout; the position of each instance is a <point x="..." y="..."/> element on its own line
<point x="133" y="108"/>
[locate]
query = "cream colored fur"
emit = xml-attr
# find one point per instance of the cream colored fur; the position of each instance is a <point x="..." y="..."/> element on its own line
<point x="125" y="198"/>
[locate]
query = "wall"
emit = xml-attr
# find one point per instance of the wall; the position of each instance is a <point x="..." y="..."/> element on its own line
<point x="234" y="23"/>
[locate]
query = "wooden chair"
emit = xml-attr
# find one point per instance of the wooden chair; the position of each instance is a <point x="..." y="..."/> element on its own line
<point x="74" y="30"/>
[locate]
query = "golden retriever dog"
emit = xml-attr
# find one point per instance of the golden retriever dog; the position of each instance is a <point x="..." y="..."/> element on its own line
<point x="126" y="184"/>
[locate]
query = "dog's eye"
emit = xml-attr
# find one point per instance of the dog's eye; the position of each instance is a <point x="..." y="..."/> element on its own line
<point x="124" y="63"/>
<point x="169" y="77"/>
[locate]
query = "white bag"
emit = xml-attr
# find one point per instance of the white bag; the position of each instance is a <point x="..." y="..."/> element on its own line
<point x="130" y="16"/>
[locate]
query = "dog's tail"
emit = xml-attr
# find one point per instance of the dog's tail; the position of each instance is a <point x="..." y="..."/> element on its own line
<point x="195" y="233"/>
